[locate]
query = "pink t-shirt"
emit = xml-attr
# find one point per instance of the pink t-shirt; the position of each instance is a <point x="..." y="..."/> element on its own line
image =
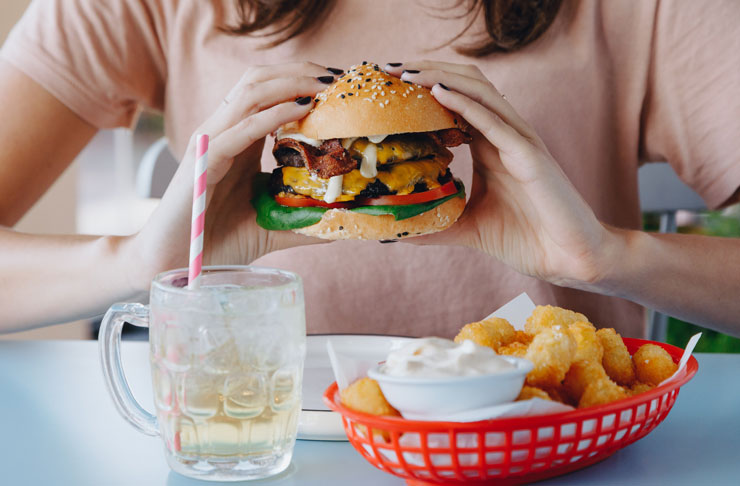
<point x="609" y="86"/>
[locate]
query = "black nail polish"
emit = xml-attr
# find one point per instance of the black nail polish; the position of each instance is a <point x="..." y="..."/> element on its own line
<point x="411" y="71"/>
<point x="335" y="70"/>
<point x="326" y="79"/>
<point x="443" y="86"/>
<point x="394" y="64"/>
<point x="303" y="101"/>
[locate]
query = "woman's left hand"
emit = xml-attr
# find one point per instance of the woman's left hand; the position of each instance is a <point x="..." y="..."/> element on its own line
<point x="523" y="210"/>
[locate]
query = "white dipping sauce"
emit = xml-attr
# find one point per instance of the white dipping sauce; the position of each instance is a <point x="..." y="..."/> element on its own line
<point x="442" y="358"/>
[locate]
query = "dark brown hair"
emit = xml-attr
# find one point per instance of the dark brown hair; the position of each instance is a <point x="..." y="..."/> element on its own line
<point x="510" y="24"/>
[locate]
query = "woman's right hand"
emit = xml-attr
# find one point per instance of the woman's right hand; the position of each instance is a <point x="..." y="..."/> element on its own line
<point x="265" y="98"/>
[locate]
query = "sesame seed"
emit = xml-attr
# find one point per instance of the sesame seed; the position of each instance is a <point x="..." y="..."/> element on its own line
<point x="404" y="95"/>
<point x="393" y="92"/>
<point x="359" y="86"/>
<point x="388" y="83"/>
<point x="382" y="93"/>
<point x="350" y="94"/>
<point x="349" y="80"/>
<point x="368" y="80"/>
<point x="420" y="96"/>
<point x="382" y="105"/>
<point x="368" y="99"/>
<point x="411" y="88"/>
<point x="342" y="96"/>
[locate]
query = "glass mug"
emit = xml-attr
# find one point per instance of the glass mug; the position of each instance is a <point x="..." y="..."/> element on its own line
<point x="227" y="365"/>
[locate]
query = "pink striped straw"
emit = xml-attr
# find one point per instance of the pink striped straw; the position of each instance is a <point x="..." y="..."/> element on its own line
<point x="199" y="212"/>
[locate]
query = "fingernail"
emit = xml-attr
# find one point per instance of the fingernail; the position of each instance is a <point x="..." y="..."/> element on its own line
<point x="394" y="64"/>
<point x="335" y="70"/>
<point x="411" y="71"/>
<point x="326" y="79"/>
<point x="443" y="86"/>
<point x="303" y="101"/>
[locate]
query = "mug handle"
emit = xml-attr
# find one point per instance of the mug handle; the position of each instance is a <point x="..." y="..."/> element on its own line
<point x="109" y="339"/>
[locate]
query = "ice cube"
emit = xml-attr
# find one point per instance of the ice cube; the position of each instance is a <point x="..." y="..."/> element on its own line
<point x="201" y="394"/>
<point x="284" y="388"/>
<point x="176" y="347"/>
<point x="245" y="394"/>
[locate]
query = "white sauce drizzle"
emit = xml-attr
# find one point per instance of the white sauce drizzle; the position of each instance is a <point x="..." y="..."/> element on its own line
<point x="369" y="165"/>
<point x="334" y="189"/>
<point x="297" y="136"/>
<point x="377" y="138"/>
<point x="347" y="142"/>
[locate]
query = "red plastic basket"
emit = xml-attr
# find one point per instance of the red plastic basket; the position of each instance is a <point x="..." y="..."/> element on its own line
<point x="511" y="450"/>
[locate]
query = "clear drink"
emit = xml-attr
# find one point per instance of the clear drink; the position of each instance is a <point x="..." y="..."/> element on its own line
<point x="227" y="364"/>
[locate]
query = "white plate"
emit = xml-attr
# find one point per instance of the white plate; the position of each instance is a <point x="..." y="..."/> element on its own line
<point x="317" y="422"/>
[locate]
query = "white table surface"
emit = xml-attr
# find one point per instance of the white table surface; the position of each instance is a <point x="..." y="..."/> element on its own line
<point x="58" y="426"/>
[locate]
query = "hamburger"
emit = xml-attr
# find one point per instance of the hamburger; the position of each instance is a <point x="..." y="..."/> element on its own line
<point x="370" y="162"/>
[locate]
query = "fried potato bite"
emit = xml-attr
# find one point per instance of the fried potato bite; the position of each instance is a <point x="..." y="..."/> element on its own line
<point x="532" y="392"/>
<point x="364" y="395"/>
<point x="558" y="394"/>
<point x="580" y="375"/>
<point x="493" y="332"/>
<point x="617" y="362"/>
<point x="547" y="316"/>
<point x="552" y="352"/>
<point x="600" y="392"/>
<point x="523" y="338"/>
<point x="588" y="346"/>
<point x="514" y="349"/>
<point x="638" y="388"/>
<point x="653" y="364"/>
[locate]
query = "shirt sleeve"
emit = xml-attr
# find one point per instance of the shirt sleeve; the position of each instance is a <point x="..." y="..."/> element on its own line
<point x="691" y="112"/>
<point x="103" y="59"/>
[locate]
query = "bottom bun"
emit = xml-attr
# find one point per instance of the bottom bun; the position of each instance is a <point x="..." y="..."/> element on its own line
<point x="341" y="224"/>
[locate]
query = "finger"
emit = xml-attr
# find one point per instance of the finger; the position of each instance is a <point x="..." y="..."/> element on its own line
<point x="254" y="97"/>
<point x="234" y="140"/>
<point x="480" y="90"/>
<point x="256" y="74"/>
<point x="469" y="70"/>
<point x="522" y="160"/>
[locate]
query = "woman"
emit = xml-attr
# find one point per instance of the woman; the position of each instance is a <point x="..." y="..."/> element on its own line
<point x="602" y="86"/>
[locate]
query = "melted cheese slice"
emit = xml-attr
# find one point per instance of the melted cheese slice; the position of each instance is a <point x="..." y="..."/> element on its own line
<point x="398" y="149"/>
<point x="400" y="178"/>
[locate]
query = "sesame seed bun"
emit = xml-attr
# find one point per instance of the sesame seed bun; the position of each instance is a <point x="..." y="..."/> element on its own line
<point x="340" y="224"/>
<point x="368" y="102"/>
<point x="352" y="106"/>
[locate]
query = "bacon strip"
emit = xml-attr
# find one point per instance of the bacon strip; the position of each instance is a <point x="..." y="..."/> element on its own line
<point x="451" y="137"/>
<point x="331" y="159"/>
<point x="328" y="160"/>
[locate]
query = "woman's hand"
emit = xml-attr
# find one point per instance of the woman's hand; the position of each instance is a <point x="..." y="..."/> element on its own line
<point x="265" y="98"/>
<point x="523" y="210"/>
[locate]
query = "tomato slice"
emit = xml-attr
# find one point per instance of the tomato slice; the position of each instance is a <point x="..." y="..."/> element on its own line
<point x="297" y="201"/>
<point x="444" y="190"/>
<point x="304" y="201"/>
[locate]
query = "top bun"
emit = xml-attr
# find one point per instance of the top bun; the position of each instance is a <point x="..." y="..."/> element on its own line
<point x="366" y="101"/>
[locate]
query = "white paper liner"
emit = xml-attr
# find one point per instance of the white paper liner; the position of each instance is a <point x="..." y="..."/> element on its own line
<point x="348" y="368"/>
